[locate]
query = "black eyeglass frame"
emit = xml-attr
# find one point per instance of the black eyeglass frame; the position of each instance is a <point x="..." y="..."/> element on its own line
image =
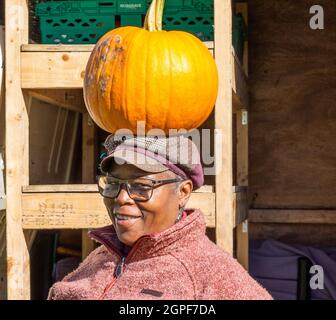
<point x="155" y="183"/>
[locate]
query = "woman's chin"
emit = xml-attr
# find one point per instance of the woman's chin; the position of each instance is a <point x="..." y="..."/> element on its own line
<point x="127" y="239"/>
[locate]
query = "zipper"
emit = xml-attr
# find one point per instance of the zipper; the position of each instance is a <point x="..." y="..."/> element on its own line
<point x="117" y="273"/>
<point x="120" y="268"/>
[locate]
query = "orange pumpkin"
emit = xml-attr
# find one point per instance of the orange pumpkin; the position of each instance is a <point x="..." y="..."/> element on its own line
<point x="167" y="79"/>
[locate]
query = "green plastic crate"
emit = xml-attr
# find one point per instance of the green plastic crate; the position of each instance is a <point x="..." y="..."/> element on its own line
<point x="193" y="16"/>
<point x="80" y="22"/>
<point x="84" y="22"/>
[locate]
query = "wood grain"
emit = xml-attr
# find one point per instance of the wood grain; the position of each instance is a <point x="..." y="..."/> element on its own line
<point x="17" y="153"/>
<point x="292" y="74"/>
<point x="292" y="216"/>
<point x="304" y="234"/>
<point x="70" y="99"/>
<point x="86" y="210"/>
<point x="88" y="171"/>
<point x="223" y="122"/>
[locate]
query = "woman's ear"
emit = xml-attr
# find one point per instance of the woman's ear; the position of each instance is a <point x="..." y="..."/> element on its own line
<point x="185" y="189"/>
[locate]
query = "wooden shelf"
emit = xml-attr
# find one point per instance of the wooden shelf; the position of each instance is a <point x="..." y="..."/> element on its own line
<point x="38" y="69"/>
<point x="86" y="188"/>
<point x="291" y="216"/>
<point x="63" y="67"/>
<point x="72" y="47"/>
<point x="80" y="206"/>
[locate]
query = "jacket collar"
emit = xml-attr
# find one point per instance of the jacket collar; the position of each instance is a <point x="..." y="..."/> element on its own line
<point x="189" y="228"/>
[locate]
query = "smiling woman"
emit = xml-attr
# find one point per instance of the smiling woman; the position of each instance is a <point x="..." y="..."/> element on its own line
<point x="155" y="248"/>
<point x="158" y="203"/>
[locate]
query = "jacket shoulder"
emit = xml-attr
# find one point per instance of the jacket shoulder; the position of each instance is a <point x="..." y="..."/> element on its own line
<point x="73" y="285"/>
<point x="219" y="276"/>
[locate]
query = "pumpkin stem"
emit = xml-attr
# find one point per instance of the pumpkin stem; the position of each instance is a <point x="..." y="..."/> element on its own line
<point x="153" y="20"/>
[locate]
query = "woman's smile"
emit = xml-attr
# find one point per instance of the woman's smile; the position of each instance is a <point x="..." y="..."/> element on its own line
<point x="125" y="220"/>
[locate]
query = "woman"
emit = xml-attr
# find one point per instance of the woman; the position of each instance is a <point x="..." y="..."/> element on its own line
<point x="155" y="249"/>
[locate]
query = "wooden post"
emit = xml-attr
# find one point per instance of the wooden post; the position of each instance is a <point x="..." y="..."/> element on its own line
<point x="223" y="122"/>
<point x="17" y="156"/>
<point x="88" y="163"/>
<point x="242" y="155"/>
<point x="242" y="180"/>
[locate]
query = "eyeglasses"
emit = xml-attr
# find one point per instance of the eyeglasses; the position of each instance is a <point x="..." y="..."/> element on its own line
<point x="139" y="189"/>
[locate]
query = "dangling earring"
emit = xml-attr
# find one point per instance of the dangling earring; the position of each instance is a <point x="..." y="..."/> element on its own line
<point x="179" y="214"/>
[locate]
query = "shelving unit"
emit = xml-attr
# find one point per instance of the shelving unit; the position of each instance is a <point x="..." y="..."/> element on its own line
<point x="38" y="70"/>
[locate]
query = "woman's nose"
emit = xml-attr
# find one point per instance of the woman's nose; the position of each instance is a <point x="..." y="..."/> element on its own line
<point x="123" y="196"/>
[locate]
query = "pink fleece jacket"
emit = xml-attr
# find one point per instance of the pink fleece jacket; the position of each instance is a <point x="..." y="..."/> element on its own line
<point x="180" y="262"/>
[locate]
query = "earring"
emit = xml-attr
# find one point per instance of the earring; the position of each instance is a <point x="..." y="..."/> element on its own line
<point x="179" y="214"/>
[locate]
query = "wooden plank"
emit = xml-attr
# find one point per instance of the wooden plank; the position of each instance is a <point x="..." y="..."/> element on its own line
<point x="17" y="142"/>
<point x="295" y="233"/>
<point x="239" y="85"/>
<point x="242" y="236"/>
<point x="57" y="47"/>
<point x="55" y="70"/>
<point x="242" y="240"/>
<point x="240" y="207"/>
<point x="292" y="82"/>
<point x="73" y="48"/>
<point x="86" y="210"/>
<point x="3" y="256"/>
<point x="292" y="216"/>
<point x="86" y="188"/>
<point x="223" y="123"/>
<point x="88" y="171"/>
<point x="69" y="99"/>
<point x="242" y="147"/>
<point x="242" y="179"/>
<point x="2" y="67"/>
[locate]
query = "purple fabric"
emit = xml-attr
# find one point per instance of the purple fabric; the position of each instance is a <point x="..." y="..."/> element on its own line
<point x="275" y="265"/>
<point x="171" y="166"/>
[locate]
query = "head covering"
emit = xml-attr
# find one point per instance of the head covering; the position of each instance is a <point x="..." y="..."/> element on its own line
<point x="178" y="154"/>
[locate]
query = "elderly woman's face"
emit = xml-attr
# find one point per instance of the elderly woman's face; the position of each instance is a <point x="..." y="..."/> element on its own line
<point x="154" y="215"/>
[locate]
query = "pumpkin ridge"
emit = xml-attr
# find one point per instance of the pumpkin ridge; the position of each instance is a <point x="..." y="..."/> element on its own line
<point x="100" y="77"/>
<point x="104" y="112"/>
<point x="170" y="82"/>
<point x="183" y="48"/>
<point x="146" y="84"/>
<point x="95" y="64"/>
<point x="88" y="72"/>
<point x="110" y="83"/>
<point x="124" y="103"/>
<point x="198" y="122"/>
<point x="113" y="111"/>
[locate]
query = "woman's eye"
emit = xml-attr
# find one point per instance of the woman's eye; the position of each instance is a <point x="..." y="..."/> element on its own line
<point x="141" y="186"/>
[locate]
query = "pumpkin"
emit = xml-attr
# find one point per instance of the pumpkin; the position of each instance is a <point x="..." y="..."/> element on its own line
<point x="167" y="79"/>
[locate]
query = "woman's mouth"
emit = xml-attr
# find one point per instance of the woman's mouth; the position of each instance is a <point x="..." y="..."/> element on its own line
<point x="125" y="220"/>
